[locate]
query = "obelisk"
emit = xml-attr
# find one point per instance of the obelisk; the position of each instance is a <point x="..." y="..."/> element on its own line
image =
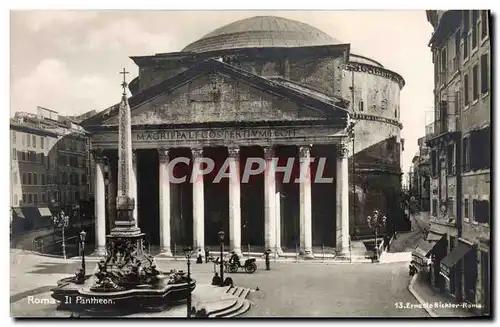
<point x="125" y="224"/>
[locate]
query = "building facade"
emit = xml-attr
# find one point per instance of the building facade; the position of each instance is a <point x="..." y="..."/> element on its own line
<point x="420" y="177"/>
<point x="460" y="152"/>
<point x="262" y="87"/>
<point x="49" y="165"/>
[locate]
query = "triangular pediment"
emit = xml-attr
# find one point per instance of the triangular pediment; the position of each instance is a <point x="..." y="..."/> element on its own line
<point x="223" y="94"/>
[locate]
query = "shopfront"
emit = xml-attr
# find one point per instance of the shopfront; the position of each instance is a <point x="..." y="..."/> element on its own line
<point x="461" y="258"/>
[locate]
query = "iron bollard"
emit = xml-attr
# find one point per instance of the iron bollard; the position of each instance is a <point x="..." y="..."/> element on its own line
<point x="323" y="250"/>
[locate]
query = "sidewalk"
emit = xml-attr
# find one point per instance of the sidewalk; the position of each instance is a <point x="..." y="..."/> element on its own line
<point x="441" y="305"/>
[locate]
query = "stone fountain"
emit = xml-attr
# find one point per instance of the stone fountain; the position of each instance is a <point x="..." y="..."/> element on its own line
<point x="127" y="280"/>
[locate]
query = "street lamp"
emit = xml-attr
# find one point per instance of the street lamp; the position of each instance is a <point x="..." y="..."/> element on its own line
<point x="83" y="235"/>
<point x="55" y="211"/>
<point x="61" y="220"/>
<point x="188" y="252"/>
<point x="221" y="239"/>
<point x="375" y="222"/>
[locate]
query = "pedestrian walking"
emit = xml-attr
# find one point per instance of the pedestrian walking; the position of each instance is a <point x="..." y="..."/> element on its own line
<point x="268" y="262"/>
<point x="207" y="254"/>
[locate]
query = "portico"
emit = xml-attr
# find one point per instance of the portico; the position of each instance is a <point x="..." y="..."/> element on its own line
<point x="280" y="145"/>
<point x="262" y="208"/>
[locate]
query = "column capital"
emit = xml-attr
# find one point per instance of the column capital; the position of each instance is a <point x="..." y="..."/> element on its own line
<point x="197" y="152"/>
<point x="100" y="160"/>
<point x="134" y="156"/>
<point x="268" y="152"/>
<point x="304" y="151"/>
<point x="233" y="151"/>
<point x="163" y="154"/>
<point x="342" y="150"/>
<point x="98" y="156"/>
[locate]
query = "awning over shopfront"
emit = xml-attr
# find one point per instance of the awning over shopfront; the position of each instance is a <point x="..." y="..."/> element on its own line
<point x="453" y="258"/>
<point x="19" y="213"/>
<point x="434" y="237"/>
<point x="45" y="212"/>
<point x="424" y="248"/>
<point x="421" y="254"/>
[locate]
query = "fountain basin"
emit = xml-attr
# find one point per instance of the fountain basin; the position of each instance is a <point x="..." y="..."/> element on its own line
<point x="142" y="298"/>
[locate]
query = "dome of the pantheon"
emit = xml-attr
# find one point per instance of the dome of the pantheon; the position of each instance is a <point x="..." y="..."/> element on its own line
<point x="261" y="32"/>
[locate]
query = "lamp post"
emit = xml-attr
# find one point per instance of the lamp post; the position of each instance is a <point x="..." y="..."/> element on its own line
<point x="188" y="252"/>
<point x="83" y="235"/>
<point x="62" y="220"/>
<point x="55" y="210"/>
<point x="375" y="222"/>
<point x="221" y="239"/>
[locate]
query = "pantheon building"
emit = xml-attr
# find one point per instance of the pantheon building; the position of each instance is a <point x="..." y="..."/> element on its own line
<point x="265" y="87"/>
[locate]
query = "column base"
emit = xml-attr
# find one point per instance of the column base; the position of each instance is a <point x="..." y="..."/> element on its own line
<point x="165" y="252"/>
<point x="280" y="252"/>
<point x="307" y="254"/>
<point x="99" y="252"/>
<point x="343" y="252"/>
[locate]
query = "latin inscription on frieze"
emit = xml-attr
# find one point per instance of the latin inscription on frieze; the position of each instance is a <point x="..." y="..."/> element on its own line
<point x="214" y="134"/>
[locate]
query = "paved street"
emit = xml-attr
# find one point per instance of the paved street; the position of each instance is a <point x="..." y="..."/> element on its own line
<point x="288" y="290"/>
<point x="408" y="241"/>
<point x="337" y="290"/>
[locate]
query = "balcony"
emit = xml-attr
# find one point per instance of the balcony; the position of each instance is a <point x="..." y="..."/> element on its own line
<point x="441" y="126"/>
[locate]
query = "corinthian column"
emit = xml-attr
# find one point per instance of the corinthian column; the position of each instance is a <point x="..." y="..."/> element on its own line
<point x="270" y="200"/>
<point x="234" y="200"/>
<point x="279" y="191"/>
<point x="100" y="207"/>
<point x="342" y="190"/>
<point x="198" y="203"/>
<point x="164" y="203"/>
<point x="305" y="203"/>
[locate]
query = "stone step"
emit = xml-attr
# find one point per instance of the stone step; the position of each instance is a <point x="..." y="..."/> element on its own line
<point x="241" y="292"/>
<point x="214" y="313"/>
<point x="228" y="311"/>
<point x="245" y="293"/>
<point x="233" y="290"/>
<point x="244" y="308"/>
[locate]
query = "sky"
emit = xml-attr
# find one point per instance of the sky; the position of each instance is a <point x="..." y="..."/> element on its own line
<point x="69" y="61"/>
